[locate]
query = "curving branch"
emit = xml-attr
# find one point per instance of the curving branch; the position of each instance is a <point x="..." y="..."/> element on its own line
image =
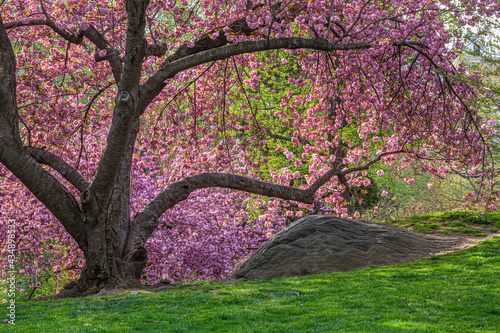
<point x="153" y="86"/>
<point x="146" y="221"/>
<point x="205" y="42"/>
<point x="57" y="163"/>
<point x="12" y="154"/>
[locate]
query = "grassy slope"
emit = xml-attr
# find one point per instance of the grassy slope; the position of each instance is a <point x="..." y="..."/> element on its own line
<point x="466" y="222"/>
<point x="458" y="291"/>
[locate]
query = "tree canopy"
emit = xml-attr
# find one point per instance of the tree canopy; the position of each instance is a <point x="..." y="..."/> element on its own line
<point x="115" y="112"/>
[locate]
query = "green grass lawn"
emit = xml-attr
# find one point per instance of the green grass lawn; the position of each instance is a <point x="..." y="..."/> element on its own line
<point x="466" y="222"/>
<point x="454" y="292"/>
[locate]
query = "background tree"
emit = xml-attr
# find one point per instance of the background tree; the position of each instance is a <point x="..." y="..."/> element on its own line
<point x="78" y="81"/>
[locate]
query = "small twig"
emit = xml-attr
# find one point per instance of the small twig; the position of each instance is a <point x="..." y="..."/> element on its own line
<point x="31" y="293"/>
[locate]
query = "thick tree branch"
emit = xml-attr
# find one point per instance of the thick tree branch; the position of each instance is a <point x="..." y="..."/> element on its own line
<point x="9" y="124"/>
<point x="153" y="86"/>
<point x="125" y="121"/>
<point x="206" y="42"/>
<point x="146" y="221"/>
<point x="64" y="169"/>
<point x="46" y="188"/>
<point x="135" y="45"/>
<point x="38" y="180"/>
<point x="203" y="180"/>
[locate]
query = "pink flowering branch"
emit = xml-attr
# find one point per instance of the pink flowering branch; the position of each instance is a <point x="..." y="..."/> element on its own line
<point x="146" y="221"/>
<point x="76" y="37"/>
<point x="153" y="86"/>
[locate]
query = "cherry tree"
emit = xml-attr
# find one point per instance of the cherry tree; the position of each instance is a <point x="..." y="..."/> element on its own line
<point x="113" y="113"/>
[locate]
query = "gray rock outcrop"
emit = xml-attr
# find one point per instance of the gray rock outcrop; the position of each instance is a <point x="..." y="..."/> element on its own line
<point x="323" y="244"/>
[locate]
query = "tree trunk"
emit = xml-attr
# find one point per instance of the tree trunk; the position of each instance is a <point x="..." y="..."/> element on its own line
<point x="105" y="266"/>
<point x="108" y="228"/>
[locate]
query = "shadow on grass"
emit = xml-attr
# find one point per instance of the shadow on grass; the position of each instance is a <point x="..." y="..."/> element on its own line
<point x="457" y="291"/>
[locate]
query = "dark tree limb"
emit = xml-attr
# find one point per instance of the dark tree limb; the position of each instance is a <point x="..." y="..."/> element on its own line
<point x="146" y="221"/>
<point x="58" y="164"/>
<point x="46" y="188"/>
<point x="205" y="42"/>
<point x="153" y="86"/>
<point x="14" y="156"/>
<point x="125" y="113"/>
<point x="284" y="138"/>
<point x="135" y="45"/>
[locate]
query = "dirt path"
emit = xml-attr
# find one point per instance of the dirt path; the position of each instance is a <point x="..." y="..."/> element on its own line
<point x="464" y="241"/>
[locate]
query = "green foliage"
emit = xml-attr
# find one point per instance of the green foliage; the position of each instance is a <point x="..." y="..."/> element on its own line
<point x="370" y="196"/>
<point x="405" y="200"/>
<point x="453" y="292"/>
<point x="45" y="281"/>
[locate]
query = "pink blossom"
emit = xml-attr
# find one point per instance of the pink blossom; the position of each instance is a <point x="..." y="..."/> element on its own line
<point x="430" y="185"/>
<point x="84" y="26"/>
<point x="384" y="193"/>
<point x="380" y="172"/>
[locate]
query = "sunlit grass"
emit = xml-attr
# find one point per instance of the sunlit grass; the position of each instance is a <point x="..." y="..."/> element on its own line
<point x="466" y="222"/>
<point x="458" y="291"/>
